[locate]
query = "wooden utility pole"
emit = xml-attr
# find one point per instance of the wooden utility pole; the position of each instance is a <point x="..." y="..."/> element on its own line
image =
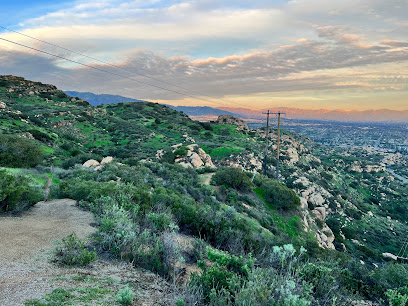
<point x="278" y="142"/>
<point x="278" y="147"/>
<point x="267" y="138"/>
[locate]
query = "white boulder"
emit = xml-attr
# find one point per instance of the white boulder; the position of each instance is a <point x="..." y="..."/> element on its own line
<point x="91" y="163"/>
<point x="107" y="160"/>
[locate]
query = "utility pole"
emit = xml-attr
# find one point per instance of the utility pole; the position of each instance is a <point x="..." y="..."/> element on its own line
<point x="267" y="138"/>
<point x="278" y="147"/>
<point x="278" y="144"/>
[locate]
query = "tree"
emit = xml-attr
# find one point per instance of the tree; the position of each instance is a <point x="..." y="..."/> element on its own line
<point x="19" y="152"/>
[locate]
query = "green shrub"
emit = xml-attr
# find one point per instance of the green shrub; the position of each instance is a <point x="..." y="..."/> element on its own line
<point x="321" y="277"/>
<point x="17" y="192"/>
<point x="232" y="177"/>
<point x="168" y="157"/>
<point x="161" y="222"/>
<point x="73" y="252"/>
<point x="397" y="297"/>
<point x="125" y="296"/>
<point x="182" y="151"/>
<point x="180" y="302"/>
<point x="18" y="152"/>
<point x="280" y="195"/>
<point x="219" y="281"/>
<point x="392" y="276"/>
<point x="199" y="249"/>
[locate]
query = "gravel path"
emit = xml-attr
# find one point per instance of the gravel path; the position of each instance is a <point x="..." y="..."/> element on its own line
<point x="25" y="245"/>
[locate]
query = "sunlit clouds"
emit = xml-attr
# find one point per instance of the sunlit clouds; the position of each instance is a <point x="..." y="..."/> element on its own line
<point x="306" y="53"/>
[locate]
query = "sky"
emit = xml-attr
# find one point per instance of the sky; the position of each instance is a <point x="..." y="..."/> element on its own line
<point x="309" y="54"/>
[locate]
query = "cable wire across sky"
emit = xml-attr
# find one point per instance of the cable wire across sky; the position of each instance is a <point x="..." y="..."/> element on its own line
<point x="117" y="67"/>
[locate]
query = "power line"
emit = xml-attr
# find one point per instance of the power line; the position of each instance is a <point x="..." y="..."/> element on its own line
<point x="118" y="67"/>
<point x="106" y="71"/>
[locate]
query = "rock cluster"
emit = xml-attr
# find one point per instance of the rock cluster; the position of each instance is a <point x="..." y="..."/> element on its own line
<point x="195" y="158"/>
<point x="356" y="167"/>
<point x="92" y="163"/>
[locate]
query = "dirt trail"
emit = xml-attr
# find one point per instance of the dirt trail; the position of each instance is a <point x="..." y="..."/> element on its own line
<point x="25" y="244"/>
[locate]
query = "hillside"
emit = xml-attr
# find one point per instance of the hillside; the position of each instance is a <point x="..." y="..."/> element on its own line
<point x="176" y="196"/>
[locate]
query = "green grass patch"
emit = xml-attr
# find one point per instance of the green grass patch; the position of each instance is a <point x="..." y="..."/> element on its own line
<point x="223" y="152"/>
<point x="47" y="150"/>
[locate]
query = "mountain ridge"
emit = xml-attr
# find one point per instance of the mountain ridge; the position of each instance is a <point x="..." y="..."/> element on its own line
<point x="339" y="115"/>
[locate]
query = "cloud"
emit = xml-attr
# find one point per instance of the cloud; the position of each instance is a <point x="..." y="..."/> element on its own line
<point x="222" y="48"/>
<point x="336" y="34"/>
<point x="394" y="43"/>
<point x="293" y="68"/>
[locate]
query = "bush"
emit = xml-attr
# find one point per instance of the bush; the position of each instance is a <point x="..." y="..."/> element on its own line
<point x="232" y="177"/>
<point x="397" y="297"/>
<point x="280" y="195"/>
<point x="182" y="151"/>
<point x="16" y="192"/>
<point x="18" y="152"/>
<point x="73" y="252"/>
<point x="125" y="296"/>
<point x="199" y="249"/>
<point x="219" y="281"/>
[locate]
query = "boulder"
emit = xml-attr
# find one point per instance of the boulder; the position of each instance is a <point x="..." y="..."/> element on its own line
<point x="390" y="256"/>
<point x="2" y="105"/>
<point x="91" y="163"/>
<point x="107" y="160"/>
<point x="320" y="213"/>
<point x="316" y="199"/>
<point x="196" y="161"/>
<point x="303" y="203"/>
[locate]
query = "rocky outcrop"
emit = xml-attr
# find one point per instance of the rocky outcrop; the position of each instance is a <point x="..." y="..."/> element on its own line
<point x="231" y="120"/>
<point x="356" y="167"/>
<point x="325" y="237"/>
<point x="92" y="163"/>
<point x="320" y="213"/>
<point x="195" y="157"/>
<point x="313" y="196"/>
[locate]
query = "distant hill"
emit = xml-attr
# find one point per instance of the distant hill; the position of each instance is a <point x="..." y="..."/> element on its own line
<point x="95" y="99"/>
<point x="201" y="110"/>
